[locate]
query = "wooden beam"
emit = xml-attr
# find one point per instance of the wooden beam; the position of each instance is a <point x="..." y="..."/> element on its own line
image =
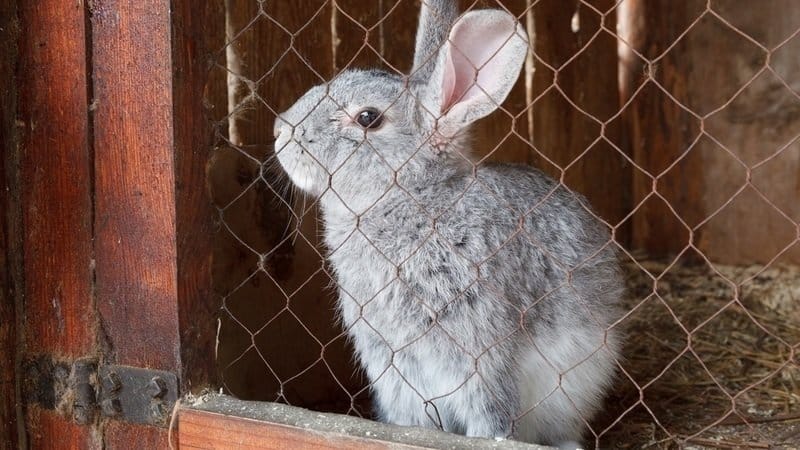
<point x="135" y="219"/>
<point x="55" y="197"/>
<point x="48" y="430"/>
<point x="198" y="94"/>
<point x="700" y="139"/>
<point x="56" y="178"/>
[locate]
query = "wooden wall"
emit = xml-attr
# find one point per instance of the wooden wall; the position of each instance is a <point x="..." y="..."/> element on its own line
<point x="710" y="89"/>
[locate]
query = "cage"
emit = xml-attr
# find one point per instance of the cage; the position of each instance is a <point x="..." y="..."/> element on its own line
<point x="656" y="112"/>
<point x="164" y="284"/>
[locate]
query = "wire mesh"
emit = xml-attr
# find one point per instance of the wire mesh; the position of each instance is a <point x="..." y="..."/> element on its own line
<point x="678" y="123"/>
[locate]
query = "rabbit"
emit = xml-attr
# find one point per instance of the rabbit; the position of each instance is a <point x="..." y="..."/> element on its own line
<point x="479" y="299"/>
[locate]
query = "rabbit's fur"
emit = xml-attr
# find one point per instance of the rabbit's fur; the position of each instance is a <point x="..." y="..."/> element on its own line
<point x="479" y="299"/>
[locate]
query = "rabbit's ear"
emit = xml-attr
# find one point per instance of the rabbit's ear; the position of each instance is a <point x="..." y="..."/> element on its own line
<point x="476" y="68"/>
<point x="436" y="18"/>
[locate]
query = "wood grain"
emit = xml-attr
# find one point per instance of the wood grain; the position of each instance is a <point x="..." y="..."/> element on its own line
<point x="122" y="436"/>
<point x="198" y="32"/>
<point x="135" y="218"/>
<point x="207" y="430"/>
<point x="55" y="174"/>
<point x="48" y="430"/>
<point x="658" y="130"/>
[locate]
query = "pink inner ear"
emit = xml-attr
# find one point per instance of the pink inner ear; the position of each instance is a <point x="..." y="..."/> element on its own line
<point x="448" y="83"/>
<point x="473" y="49"/>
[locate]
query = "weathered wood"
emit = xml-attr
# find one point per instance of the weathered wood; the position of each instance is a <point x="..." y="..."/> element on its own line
<point x="10" y="244"/>
<point x="576" y="91"/>
<point x="123" y="436"/>
<point x="220" y="422"/>
<point x="135" y="223"/>
<point x="198" y="32"/>
<point x="742" y="130"/>
<point x="205" y="430"/>
<point x="55" y="175"/>
<point x="47" y="430"/>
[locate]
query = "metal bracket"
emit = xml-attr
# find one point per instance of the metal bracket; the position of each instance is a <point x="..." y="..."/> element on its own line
<point x="137" y="395"/>
<point x="85" y="390"/>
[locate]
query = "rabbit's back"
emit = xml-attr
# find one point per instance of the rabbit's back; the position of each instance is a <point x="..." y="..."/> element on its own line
<point x="506" y="242"/>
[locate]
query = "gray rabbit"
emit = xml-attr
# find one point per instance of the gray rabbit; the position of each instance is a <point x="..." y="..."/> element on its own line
<point x="481" y="299"/>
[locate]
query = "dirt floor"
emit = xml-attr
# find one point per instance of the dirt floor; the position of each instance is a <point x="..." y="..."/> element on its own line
<point x="712" y="358"/>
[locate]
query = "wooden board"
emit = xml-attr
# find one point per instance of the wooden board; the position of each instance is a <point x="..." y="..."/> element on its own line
<point x="206" y="430"/>
<point x="197" y="33"/>
<point x="221" y="422"/>
<point x="135" y="218"/>
<point x="55" y="177"/>
<point x="121" y="436"/>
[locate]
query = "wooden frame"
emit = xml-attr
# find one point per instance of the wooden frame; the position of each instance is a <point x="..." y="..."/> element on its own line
<point x="110" y="137"/>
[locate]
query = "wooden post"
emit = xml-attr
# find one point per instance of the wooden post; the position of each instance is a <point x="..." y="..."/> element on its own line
<point x="9" y="223"/>
<point x="151" y="145"/>
<point x="56" y="201"/>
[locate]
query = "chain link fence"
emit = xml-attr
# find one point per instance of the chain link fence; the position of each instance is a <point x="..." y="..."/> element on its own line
<point x="678" y="124"/>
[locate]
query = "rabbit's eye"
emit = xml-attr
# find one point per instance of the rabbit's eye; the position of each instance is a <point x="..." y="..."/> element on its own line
<point x="370" y="118"/>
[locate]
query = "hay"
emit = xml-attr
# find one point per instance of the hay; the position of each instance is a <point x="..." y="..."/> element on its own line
<point x="735" y="383"/>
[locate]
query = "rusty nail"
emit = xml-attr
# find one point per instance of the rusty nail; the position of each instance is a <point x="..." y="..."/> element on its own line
<point x="157" y="388"/>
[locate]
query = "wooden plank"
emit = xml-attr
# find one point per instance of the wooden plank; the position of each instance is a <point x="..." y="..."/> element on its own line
<point x="576" y="87"/>
<point x="10" y="244"/>
<point x="221" y="422"/>
<point x="760" y="128"/>
<point x="205" y="430"/>
<point x="198" y="32"/>
<point x="47" y="430"/>
<point x="55" y="179"/>
<point x="135" y="218"/>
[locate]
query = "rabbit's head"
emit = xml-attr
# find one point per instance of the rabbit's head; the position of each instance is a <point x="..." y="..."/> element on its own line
<point x="367" y="130"/>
